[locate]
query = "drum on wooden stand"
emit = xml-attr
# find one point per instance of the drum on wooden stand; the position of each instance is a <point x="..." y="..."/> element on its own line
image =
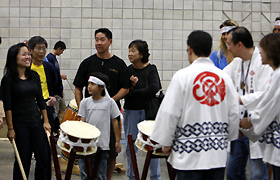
<point x="78" y="135"/>
<point x="143" y="141"/>
<point x="71" y="114"/>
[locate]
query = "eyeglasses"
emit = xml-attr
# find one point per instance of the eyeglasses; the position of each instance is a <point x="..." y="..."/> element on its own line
<point x="40" y="48"/>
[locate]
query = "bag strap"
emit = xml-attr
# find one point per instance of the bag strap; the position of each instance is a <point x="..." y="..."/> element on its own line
<point x="147" y="74"/>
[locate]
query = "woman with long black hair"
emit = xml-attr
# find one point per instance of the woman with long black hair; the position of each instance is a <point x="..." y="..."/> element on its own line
<point x="22" y="96"/>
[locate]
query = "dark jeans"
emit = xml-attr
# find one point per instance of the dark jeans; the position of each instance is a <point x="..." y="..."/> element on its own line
<point x="276" y="172"/>
<point x="237" y="160"/>
<point x="211" y="174"/>
<point x="28" y="140"/>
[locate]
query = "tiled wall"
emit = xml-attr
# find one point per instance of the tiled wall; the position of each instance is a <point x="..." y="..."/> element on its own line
<point x="164" y="24"/>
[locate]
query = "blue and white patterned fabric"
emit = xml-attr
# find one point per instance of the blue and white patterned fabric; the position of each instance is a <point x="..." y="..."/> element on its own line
<point x="201" y="137"/>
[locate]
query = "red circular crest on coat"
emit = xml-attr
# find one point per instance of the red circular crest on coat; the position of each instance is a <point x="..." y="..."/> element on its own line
<point x="209" y="88"/>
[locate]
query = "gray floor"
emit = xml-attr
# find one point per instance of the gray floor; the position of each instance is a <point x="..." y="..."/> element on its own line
<point x="7" y="159"/>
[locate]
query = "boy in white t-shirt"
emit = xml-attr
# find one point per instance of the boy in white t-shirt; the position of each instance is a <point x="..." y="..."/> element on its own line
<point x="99" y="110"/>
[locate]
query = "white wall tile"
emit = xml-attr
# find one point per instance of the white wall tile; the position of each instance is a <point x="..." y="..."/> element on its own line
<point x="217" y="5"/>
<point x="14" y="12"/>
<point x="24" y="12"/>
<point x="14" y="22"/>
<point x="55" y="22"/>
<point x="127" y="3"/>
<point x="137" y="4"/>
<point x="56" y="3"/>
<point x="208" y="5"/>
<point x="178" y="14"/>
<point x="168" y="4"/>
<point x="12" y="3"/>
<point x="96" y="13"/>
<point x="137" y="24"/>
<point x="97" y="3"/>
<point x="87" y="3"/>
<point x="158" y="4"/>
<point x="198" y="5"/>
<point x="76" y="23"/>
<point x="86" y="12"/>
<point x="34" y="31"/>
<point x="137" y="13"/>
<point x="148" y="4"/>
<point x="158" y="14"/>
<point x="24" y="3"/>
<point x="179" y="4"/>
<point x="117" y="3"/>
<point x="188" y="4"/>
<point x="117" y="13"/>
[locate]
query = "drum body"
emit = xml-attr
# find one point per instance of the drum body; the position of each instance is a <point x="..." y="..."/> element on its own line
<point x="78" y="135"/>
<point x="71" y="112"/>
<point x="143" y="140"/>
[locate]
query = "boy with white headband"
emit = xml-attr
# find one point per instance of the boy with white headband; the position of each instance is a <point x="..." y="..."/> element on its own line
<point x="99" y="110"/>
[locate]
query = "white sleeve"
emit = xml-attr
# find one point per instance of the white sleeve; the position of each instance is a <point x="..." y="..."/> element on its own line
<point x="250" y="100"/>
<point x="115" y="112"/>
<point x="83" y="109"/>
<point x="267" y="109"/>
<point x="169" y="113"/>
<point x="233" y="114"/>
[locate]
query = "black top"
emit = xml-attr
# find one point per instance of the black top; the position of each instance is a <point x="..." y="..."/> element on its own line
<point x="23" y="97"/>
<point x="135" y="100"/>
<point x="53" y="78"/>
<point x="114" y="68"/>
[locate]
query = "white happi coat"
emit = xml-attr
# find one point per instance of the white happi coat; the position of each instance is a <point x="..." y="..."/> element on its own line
<point x="256" y="82"/>
<point x="266" y="120"/>
<point x="198" y="116"/>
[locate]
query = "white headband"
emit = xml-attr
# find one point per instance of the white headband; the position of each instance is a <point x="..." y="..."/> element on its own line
<point x="99" y="82"/>
<point x="96" y="80"/>
<point x="277" y="23"/>
<point x="227" y="29"/>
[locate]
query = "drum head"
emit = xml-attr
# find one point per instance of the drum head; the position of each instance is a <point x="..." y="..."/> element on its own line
<point x="140" y="146"/>
<point x="146" y="127"/>
<point x="80" y="129"/>
<point x="73" y="104"/>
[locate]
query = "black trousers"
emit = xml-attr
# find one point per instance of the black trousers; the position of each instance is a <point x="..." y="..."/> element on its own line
<point x="54" y="121"/>
<point x="28" y="140"/>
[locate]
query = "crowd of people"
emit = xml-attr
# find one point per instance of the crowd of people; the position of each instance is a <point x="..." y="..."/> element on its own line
<point x="217" y="113"/>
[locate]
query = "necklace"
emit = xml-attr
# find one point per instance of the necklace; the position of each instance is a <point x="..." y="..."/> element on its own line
<point x="243" y="79"/>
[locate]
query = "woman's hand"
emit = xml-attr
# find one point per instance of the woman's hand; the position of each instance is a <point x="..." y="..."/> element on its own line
<point x="47" y="127"/>
<point x="134" y="80"/>
<point x="245" y="123"/>
<point x="166" y="150"/>
<point x="51" y="101"/>
<point x="11" y="135"/>
<point x="118" y="147"/>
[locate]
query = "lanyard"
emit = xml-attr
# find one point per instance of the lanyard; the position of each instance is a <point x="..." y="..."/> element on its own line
<point x="243" y="79"/>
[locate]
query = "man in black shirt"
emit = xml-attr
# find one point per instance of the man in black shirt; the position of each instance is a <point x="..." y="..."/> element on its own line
<point x="115" y="68"/>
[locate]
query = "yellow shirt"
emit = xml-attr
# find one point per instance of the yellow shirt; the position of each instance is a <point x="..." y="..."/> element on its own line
<point x="41" y="71"/>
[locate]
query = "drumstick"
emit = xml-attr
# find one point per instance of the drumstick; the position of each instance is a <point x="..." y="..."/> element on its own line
<point x="70" y="86"/>
<point x="19" y="160"/>
<point x="48" y="136"/>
